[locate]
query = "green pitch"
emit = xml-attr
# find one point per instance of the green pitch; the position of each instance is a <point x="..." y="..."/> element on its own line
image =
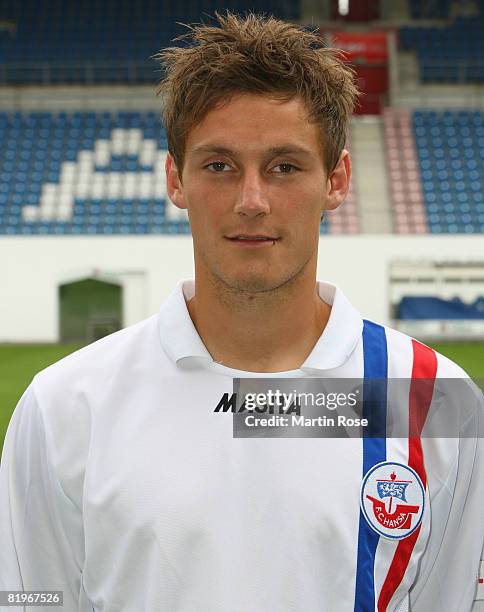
<point x="19" y="363"/>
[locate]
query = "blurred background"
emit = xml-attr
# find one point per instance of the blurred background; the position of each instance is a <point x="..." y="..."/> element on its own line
<point x="89" y="242"/>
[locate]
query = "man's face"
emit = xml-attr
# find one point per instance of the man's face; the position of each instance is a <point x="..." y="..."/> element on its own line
<point x="255" y="187"/>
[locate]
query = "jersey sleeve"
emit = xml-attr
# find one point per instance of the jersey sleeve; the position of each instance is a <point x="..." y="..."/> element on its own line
<point x="479" y="600"/>
<point x="448" y="575"/>
<point x="40" y="527"/>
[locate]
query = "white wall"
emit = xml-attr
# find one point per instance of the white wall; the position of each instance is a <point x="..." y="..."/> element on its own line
<point x="148" y="267"/>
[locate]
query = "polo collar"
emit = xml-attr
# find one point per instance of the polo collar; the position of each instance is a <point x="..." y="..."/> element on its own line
<point x="183" y="345"/>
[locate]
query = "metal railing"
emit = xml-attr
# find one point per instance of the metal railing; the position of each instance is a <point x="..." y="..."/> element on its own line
<point x="79" y="72"/>
<point x="452" y="71"/>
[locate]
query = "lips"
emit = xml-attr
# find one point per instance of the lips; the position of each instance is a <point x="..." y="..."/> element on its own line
<point x="252" y="237"/>
<point x="252" y="241"/>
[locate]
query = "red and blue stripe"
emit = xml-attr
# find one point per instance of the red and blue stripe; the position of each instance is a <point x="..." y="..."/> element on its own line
<point x="424" y="370"/>
<point x="375" y="356"/>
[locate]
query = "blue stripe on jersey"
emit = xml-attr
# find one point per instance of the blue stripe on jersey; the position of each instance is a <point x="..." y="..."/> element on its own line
<point x="375" y="357"/>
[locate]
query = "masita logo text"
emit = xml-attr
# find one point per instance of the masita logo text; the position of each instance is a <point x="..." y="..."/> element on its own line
<point x="278" y="402"/>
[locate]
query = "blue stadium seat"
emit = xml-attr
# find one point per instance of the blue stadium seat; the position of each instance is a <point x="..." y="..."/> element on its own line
<point x="87" y="36"/>
<point x="451" y="53"/>
<point x="451" y="166"/>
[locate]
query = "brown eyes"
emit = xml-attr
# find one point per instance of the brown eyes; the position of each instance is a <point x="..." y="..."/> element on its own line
<point x="285" y="168"/>
<point x="217" y="166"/>
<point x="220" y="167"/>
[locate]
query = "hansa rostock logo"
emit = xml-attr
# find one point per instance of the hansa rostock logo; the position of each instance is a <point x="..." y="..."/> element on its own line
<point x="392" y="499"/>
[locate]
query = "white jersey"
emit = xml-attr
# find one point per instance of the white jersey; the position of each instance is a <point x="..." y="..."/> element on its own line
<point x="122" y="487"/>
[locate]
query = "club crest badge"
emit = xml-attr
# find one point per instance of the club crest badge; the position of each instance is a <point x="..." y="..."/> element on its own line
<point x="392" y="499"/>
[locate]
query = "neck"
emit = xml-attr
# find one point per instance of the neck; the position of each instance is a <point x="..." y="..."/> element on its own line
<point x="269" y="331"/>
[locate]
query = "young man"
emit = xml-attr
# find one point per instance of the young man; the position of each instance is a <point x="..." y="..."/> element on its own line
<point x="122" y="486"/>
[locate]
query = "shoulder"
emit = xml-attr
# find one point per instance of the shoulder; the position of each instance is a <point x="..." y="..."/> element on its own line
<point x="453" y="388"/>
<point x="407" y="354"/>
<point x="93" y="366"/>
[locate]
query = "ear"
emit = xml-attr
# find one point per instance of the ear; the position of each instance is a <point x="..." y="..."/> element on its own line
<point x="174" y="187"/>
<point x="339" y="181"/>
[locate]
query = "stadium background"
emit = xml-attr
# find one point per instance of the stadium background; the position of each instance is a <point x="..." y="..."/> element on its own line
<point x="89" y="242"/>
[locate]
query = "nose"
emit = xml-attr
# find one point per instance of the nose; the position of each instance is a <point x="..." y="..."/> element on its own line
<point x="252" y="197"/>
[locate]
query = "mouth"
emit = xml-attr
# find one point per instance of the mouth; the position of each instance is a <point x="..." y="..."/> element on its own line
<point x="257" y="240"/>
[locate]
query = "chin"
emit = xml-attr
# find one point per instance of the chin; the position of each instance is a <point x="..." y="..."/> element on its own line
<point x="254" y="283"/>
<point x="254" y="286"/>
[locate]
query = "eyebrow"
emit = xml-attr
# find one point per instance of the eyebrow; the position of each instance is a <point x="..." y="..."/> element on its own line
<point x="281" y="150"/>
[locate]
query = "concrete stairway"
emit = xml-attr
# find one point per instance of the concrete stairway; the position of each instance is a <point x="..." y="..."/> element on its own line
<point x="371" y="175"/>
